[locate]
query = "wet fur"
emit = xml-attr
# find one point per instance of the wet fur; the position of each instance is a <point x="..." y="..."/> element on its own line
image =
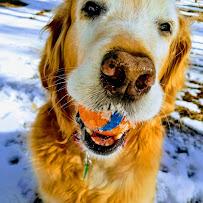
<point x="58" y="161"/>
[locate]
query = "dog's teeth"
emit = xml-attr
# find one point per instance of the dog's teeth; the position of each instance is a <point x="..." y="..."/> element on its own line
<point x="119" y="136"/>
<point x="89" y="131"/>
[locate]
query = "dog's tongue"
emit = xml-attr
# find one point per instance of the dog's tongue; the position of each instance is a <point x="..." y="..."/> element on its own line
<point x="102" y="140"/>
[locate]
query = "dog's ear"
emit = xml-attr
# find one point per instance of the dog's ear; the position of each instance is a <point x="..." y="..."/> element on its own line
<point x="172" y="73"/>
<point x="52" y="69"/>
<point x="52" y="57"/>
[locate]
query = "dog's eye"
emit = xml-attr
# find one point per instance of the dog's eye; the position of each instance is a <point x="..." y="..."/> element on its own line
<point x="165" y="28"/>
<point x="93" y="9"/>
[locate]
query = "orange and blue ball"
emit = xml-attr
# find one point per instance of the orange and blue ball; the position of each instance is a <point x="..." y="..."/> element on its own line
<point x="106" y="123"/>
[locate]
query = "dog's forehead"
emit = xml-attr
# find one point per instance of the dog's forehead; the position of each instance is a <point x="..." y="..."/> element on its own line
<point x="152" y="8"/>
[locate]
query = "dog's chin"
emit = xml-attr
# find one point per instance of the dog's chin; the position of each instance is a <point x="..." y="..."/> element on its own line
<point x="98" y="145"/>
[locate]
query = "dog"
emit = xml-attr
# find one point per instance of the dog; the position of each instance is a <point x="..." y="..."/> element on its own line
<point x="126" y="56"/>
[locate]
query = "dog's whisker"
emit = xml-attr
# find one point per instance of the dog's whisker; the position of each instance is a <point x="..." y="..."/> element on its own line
<point x="63" y="88"/>
<point x="53" y="77"/>
<point x="55" y="105"/>
<point x="55" y="85"/>
<point x="66" y="104"/>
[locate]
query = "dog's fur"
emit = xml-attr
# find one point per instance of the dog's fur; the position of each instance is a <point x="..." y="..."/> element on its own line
<point x="69" y="60"/>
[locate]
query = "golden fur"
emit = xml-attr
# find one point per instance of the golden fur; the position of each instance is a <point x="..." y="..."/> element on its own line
<point x="58" y="161"/>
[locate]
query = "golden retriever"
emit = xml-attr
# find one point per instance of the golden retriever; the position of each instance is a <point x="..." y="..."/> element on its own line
<point x="127" y="56"/>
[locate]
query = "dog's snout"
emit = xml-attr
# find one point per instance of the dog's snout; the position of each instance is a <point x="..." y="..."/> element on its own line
<point x="127" y="76"/>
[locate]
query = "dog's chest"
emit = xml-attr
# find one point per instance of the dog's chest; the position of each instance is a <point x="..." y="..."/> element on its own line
<point x="106" y="185"/>
<point x="97" y="177"/>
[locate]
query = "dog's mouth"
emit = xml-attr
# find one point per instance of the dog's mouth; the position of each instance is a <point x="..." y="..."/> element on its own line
<point x="98" y="143"/>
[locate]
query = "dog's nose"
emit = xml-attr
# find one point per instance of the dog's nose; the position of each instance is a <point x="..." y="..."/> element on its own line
<point x="127" y="76"/>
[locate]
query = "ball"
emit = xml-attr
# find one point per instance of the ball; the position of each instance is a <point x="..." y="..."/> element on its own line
<point x="107" y="123"/>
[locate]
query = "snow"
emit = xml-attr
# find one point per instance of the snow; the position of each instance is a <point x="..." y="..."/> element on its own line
<point x="20" y="95"/>
<point x="201" y="101"/>
<point x="188" y="105"/>
<point x="190" y="7"/>
<point x="193" y="92"/>
<point x="17" y="181"/>
<point x="194" y="124"/>
<point x="195" y="76"/>
<point x="192" y="85"/>
<point x="175" y="115"/>
<point x="180" y="179"/>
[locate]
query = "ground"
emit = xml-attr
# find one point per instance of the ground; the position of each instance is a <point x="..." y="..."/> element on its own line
<point x="180" y="178"/>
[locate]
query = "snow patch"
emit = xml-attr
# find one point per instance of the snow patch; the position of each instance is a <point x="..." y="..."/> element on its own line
<point x="194" y="124"/>
<point x="189" y="105"/>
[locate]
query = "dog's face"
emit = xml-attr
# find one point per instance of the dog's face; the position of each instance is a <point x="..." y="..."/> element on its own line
<point x="116" y="53"/>
<point x="121" y="47"/>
